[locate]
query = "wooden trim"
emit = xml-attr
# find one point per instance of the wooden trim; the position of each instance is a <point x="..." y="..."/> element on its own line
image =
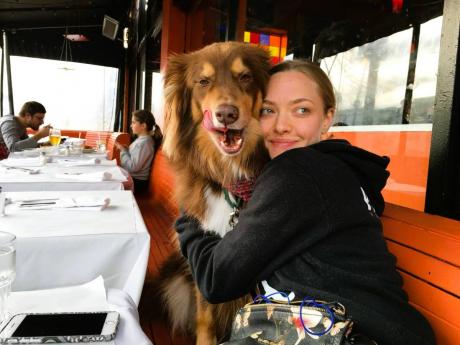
<point x="241" y="20"/>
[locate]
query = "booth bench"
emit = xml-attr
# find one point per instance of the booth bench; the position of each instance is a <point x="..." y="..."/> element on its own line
<point x="427" y="249"/>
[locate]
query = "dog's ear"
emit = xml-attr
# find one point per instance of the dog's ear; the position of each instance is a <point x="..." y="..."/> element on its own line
<point x="258" y="60"/>
<point x="177" y="97"/>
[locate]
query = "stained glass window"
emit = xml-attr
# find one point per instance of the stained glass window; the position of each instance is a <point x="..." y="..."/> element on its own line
<point x="276" y="44"/>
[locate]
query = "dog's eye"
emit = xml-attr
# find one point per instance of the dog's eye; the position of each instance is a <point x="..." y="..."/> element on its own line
<point x="204" y="82"/>
<point x="245" y="77"/>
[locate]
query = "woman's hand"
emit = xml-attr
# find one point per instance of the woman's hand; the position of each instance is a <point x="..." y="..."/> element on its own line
<point x="119" y="146"/>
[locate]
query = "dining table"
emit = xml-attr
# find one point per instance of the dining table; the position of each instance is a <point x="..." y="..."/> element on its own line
<point x="66" y="238"/>
<point x="61" y="172"/>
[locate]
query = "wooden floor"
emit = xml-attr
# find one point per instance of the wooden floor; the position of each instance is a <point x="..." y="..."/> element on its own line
<point x="159" y="212"/>
<point x="161" y="245"/>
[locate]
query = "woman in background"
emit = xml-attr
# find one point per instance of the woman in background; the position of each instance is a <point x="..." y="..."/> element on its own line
<point x="137" y="159"/>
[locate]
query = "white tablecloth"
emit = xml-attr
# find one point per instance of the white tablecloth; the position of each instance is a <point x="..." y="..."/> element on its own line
<point x="85" y="298"/>
<point x="61" y="174"/>
<point x="60" y="247"/>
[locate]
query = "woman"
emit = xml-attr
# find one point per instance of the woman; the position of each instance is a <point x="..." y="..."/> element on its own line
<point x="137" y="159"/>
<point x="311" y="227"/>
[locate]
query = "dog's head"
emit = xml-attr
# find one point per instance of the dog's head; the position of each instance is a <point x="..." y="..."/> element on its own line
<point x="212" y="102"/>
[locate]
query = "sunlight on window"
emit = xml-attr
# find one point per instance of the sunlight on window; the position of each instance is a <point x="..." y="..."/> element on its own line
<point x="75" y="95"/>
<point x="370" y="80"/>
<point x="157" y="98"/>
<point x="426" y="72"/>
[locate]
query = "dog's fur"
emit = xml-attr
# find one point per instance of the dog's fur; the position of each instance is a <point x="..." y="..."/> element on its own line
<point x="212" y="103"/>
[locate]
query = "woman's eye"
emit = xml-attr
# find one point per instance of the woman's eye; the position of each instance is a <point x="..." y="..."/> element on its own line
<point x="204" y="82"/>
<point x="245" y="78"/>
<point x="266" y="111"/>
<point x="303" y="110"/>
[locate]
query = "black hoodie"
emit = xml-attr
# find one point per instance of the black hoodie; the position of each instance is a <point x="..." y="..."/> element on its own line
<point x="312" y="228"/>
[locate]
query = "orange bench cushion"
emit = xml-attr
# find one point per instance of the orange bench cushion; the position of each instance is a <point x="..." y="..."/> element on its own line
<point x="427" y="249"/>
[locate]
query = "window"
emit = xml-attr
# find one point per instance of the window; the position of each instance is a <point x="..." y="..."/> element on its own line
<point x="75" y="95"/>
<point x="370" y="80"/>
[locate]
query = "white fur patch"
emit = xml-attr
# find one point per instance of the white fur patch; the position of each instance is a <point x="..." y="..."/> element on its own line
<point x="217" y="213"/>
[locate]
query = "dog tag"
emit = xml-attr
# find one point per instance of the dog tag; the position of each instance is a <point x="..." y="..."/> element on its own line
<point x="234" y="217"/>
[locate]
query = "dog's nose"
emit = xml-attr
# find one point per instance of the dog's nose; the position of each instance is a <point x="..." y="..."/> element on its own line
<point x="227" y="114"/>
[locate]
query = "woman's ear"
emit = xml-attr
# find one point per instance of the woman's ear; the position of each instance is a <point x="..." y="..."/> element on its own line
<point x="327" y="121"/>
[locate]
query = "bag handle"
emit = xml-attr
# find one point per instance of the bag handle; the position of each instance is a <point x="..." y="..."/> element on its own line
<point x="306" y="302"/>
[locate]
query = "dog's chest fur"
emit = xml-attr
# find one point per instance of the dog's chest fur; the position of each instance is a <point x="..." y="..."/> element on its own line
<point x="218" y="212"/>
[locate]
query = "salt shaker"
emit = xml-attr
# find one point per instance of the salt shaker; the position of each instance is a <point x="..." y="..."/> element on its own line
<point x="43" y="158"/>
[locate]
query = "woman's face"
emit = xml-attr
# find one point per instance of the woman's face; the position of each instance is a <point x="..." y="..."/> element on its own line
<point x="136" y="126"/>
<point x="293" y="113"/>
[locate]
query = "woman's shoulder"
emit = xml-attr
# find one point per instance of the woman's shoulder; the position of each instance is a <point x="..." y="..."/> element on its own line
<point x="304" y="158"/>
<point x="144" y="140"/>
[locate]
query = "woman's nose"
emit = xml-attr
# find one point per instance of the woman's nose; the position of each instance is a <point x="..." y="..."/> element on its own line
<point x="282" y="124"/>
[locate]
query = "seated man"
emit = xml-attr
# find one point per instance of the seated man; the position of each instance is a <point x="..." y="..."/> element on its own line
<point x="13" y="129"/>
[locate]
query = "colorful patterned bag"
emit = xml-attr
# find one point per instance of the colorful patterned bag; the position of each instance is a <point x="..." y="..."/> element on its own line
<point x="307" y="322"/>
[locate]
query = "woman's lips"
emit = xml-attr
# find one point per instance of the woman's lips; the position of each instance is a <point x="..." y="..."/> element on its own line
<point x="282" y="142"/>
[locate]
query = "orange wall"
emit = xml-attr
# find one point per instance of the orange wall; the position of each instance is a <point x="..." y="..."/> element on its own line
<point x="409" y="153"/>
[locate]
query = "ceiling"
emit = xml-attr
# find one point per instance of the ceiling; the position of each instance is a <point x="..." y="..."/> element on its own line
<point x="36" y="29"/>
<point x="337" y="25"/>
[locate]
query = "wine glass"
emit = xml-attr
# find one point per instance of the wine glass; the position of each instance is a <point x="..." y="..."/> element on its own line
<point x="7" y="270"/>
<point x="55" y="136"/>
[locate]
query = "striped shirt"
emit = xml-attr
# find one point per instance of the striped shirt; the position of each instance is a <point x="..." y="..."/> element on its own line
<point x="13" y="136"/>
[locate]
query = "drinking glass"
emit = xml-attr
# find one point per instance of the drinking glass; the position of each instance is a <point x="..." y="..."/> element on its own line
<point x="77" y="146"/>
<point x="7" y="270"/>
<point x="55" y="136"/>
<point x="100" y="144"/>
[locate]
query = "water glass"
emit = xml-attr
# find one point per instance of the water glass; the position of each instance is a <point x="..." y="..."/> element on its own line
<point x="7" y="270"/>
<point x="77" y="146"/>
<point x="100" y="144"/>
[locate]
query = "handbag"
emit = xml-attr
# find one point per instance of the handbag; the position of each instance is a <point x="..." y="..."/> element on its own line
<point x="297" y="323"/>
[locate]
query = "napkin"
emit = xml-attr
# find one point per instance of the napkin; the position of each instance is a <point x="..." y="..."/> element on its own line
<point x="27" y="171"/>
<point x="79" y="162"/>
<point x="97" y="176"/>
<point x="80" y="298"/>
<point x="78" y="203"/>
<point x="22" y="162"/>
<point x="84" y="203"/>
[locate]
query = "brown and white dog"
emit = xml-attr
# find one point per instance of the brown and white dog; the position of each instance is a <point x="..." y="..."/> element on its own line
<point x="212" y="138"/>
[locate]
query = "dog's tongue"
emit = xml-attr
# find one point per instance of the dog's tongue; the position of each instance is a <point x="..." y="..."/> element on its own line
<point x="207" y="123"/>
<point x="230" y="140"/>
<point x="207" y="120"/>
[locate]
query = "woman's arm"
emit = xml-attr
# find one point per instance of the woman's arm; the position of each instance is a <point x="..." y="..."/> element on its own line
<point x="134" y="159"/>
<point x="285" y="215"/>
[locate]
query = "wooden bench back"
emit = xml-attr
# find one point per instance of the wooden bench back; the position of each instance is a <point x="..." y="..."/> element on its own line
<point x="112" y="151"/>
<point x="92" y="137"/>
<point x="159" y="210"/>
<point x="74" y="133"/>
<point x="427" y="249"/>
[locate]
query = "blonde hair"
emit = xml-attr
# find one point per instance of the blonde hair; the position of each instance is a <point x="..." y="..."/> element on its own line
<point x="314" y="72"/>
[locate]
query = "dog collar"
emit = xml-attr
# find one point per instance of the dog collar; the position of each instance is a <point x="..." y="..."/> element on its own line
<point x="235" y="205"/>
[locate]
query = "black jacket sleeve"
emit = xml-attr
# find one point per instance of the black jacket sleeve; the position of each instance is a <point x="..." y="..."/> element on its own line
<point x="285" y="215"/>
